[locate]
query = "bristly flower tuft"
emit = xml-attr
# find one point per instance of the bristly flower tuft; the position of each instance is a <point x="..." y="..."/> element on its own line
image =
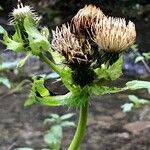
<point x="114" y="35"/>
<point x="21" y="12"/>
<point x="77" y="51"/>
<point x="85" y="17"/>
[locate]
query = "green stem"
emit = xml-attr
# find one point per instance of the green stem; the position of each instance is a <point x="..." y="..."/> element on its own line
<point x="80" y="128"/>
<point x="49" y="63"/>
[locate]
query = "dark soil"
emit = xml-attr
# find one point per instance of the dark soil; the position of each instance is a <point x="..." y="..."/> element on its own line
<point x="108" y="127"/>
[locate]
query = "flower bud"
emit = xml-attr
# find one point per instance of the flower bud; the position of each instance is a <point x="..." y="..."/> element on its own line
<point x="18" y="15"/>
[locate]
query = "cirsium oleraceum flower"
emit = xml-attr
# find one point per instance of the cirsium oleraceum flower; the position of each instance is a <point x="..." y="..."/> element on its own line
<point x="85" y="17"/>
<point x="114" y="35"/>
<point x="19" y="13"/>
<point x="77" y="51"/>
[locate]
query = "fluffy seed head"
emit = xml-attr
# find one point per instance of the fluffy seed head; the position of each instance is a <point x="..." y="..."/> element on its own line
<point x="85" y="17"/>
<point x="114" y="34"/>
<point x="21" y="12"/>
<point x="76" y="51"/>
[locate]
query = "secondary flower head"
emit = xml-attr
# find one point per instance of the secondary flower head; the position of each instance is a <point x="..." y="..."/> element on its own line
<point x="85" y="17"/>
<point x="114" y="34"/>
<point x="77" y="51"/>
<point x="21" y="12"/>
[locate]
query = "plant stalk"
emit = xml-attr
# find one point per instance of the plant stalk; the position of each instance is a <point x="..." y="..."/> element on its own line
<point x="80" y="128"/>
<point x="49" y="63"/>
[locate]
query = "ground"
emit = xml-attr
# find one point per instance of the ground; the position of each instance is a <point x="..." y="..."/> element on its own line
<point x="108" y="127"/>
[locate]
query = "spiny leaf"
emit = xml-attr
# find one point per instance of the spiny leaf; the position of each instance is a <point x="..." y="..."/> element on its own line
<point x="101" y="90"/>
<point x="37" y="41"/>
<point x="11" y="44"/>
<point x="112" y="73"/>
<point x="38" y="86"/>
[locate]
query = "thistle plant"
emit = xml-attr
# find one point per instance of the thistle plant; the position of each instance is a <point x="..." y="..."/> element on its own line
<point x="86" y="53"/>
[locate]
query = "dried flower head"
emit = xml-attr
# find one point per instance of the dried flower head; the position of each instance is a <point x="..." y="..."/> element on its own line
<point x="114" y="34"/>
<point x="85" y="17"/>
<point x="21" y="12"/>
<point x="76" y="51"/>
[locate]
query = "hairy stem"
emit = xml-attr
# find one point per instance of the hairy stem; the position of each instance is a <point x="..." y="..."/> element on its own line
<point x="80" y="128"/>
<point x="49" y="63"/>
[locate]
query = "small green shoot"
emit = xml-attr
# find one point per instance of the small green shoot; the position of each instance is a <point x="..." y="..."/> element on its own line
<point x="54" y="135"/>
<point x="135" y="102"/>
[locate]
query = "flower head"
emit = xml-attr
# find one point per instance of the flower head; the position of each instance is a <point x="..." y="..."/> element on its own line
<point x="114" y="34"/>
<point x="77" y="51"/>
<point x="85" y="17"/>
<point x="21" y="12"/>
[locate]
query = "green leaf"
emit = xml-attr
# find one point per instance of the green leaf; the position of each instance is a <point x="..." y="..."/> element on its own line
<point x="54" y="135"/>
<point x="51" y="120"/>
<point x="5" y="81"/>
<point x="55" y="116"/>
<point x="139" y="58"/>
<point x="127" y="107"/>
<point x="146" y="55"/>
<point x="67" y="116"/>
<point x="57" y="57"/>
<point x="78" y="96"/>
<point x="8" y="65"/>
<point x="137" y="101"/>
<point x="113" y="72"/>
<point x="68" y="124"/>
<point x="53" y="100"/>
<point x="38" y="86"/>
<point x="28" y="102"/>
<point x="136" y="84"/>
<point x="40" y="94"/>
<point x="37" y="41"/>
<point x="11" y="44"/>
<point x="66" y="75"/>
<point x="101" y="90"/>
<point x="133" y="99"/>
<point x="144" y="101"/>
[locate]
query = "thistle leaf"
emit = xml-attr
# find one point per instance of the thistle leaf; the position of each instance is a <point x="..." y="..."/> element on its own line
<point x="11" y="44"/>
<point x="136" y="84"/>
<point x="101" y="90"/>
<point x="37" y="41"/>
<point x="112" y="73"/>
